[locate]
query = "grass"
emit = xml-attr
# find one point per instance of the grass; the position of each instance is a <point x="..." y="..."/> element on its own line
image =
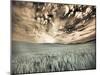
<point x="69" y="59"/>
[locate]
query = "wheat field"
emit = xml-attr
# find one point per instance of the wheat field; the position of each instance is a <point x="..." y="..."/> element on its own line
<point x="34" y="58"/>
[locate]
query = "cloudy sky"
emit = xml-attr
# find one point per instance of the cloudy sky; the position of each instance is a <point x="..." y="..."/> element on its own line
<point x="53" y="23"/>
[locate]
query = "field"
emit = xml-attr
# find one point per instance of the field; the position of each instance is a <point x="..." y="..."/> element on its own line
<point x="34" y="58"/>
